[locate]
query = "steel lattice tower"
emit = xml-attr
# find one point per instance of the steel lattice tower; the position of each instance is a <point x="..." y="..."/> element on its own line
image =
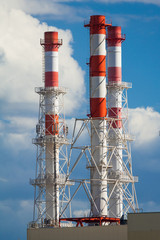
<point x="122" y="194"/>
<point x="51" y="141"/>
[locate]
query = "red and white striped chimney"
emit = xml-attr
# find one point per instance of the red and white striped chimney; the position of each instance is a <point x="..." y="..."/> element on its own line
<point x="114" y="40"/>
<point x="51" y="44"/>
<point x="98" y="113"/>
<point x="51" y="80"/>
<point x="97" y="66"/>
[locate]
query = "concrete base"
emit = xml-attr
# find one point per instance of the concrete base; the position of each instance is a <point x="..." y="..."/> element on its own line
<point x="79" y="233"/>
<point x="141" y="226"/>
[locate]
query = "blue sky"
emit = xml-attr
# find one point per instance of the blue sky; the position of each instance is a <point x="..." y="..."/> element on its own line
<point x="22" y="25"/>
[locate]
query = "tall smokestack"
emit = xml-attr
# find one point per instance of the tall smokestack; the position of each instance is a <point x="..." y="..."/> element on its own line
<point x="114" y="40"/>
<point x="51" y="140"/>
<point x="51" y="44"/>
<point x="98" y="113"/>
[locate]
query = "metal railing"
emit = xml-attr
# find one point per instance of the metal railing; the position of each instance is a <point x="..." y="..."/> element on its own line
<point x="119" y="84"/>
<point x="43" y="90"/>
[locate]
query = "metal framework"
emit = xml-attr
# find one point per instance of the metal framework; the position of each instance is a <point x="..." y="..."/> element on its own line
<point x="88" y="220"/>
<point x="119" y="141"/>
<point x="122" y="180"/>
<point x="59" y="141"/>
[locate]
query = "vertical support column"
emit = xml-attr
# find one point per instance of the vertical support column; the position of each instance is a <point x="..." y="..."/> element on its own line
<point x="98" y="113"/>
<point x="114" y="40"/>
<point x="51" y="44"/>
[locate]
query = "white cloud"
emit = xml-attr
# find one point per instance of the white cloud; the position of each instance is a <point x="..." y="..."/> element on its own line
<point x="150" y="206"/>
<point x="156" y="2"/>
<point x="18" y="142"/>
<point x="144" y="125"/>
<point x="81" y="213"/>
<point x="17" y="124"/>
<point x="20" y="66"/>
<point x="3" y="180"/>
<point x="17" y="214"/>
<point x="80" y="208"/>
<point x="17" y="132"/>
<point x="16" y="206"/>
<point x="55" y="8"/>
